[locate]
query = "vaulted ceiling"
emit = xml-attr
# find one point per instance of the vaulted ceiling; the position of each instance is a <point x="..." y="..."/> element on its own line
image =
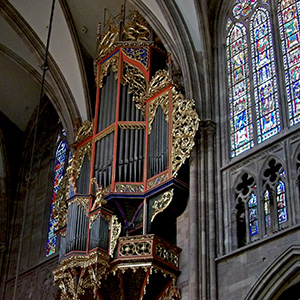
<point x="24" y="27"/>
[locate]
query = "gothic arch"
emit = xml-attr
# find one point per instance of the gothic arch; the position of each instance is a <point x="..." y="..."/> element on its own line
<point x="277" y="277"/>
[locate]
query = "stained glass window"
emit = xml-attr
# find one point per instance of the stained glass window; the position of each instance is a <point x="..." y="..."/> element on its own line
<point x="288" y="15"/>
<point x="239" y="90"/>
<point x="267" y="209"/>
<point x="264" y="76"/>
<point x="60" y="162"/>
<point x="253" y="214"/>
<point x="251" y="76"/>
<point x="281" y="203"/>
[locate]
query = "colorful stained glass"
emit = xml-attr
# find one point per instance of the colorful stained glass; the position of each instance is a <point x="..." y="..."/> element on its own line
<point x="229" y="22"/>
<point x="239" y="90"/>
<point x="267" y="209"/>
<point x="281" y="203"/>
<point x="60" y="161"/>
<point x="253" y="214"/>
<point x="288" y="15"/>
<point x="243" y="7"/>
<point x="265" y="82"/>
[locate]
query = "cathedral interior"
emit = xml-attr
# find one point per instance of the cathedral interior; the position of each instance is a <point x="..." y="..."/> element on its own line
<point x="149" y="150"/>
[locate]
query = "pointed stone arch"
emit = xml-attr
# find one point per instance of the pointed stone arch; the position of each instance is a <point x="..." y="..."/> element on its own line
<point x="277" y="276"/>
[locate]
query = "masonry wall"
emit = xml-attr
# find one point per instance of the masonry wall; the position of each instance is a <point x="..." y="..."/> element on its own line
<point x="28" y="273"/>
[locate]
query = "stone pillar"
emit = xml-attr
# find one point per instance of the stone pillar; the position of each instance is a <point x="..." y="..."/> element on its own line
<point x="206" y="212"/>
<point x="193" y="257"/>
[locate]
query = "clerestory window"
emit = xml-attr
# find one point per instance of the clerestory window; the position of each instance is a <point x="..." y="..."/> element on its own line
<point x="255" y="108"/>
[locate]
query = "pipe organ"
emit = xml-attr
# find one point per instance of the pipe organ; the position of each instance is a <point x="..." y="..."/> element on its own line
<point x="126" y="182"/>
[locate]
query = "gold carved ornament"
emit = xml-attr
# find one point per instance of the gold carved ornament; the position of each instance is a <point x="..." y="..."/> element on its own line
<point x="111" y="63"/>
<point x="137" y="84"/>
<point x="163" y="102"/>
<point x="115" y="231"/>
<point x="84" y="131"/>
<point x="83" y="202"/>
<point x="108" y="40"/>
<point x="161" y="204"/>
<point x="78" y="273"/>
<point x="140" y="55"/>
<point x="60" y="208"/>
<point x="185" y="122"/>
<point x="137" y="29"/>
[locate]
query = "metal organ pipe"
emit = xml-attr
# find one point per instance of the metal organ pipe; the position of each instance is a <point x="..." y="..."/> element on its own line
<point x="158" y="144"/>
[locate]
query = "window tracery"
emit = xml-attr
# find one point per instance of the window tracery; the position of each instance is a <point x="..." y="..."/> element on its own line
<point x="261" y="207"/>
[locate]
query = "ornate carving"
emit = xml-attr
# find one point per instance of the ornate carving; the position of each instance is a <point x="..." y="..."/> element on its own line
<point x="137" y="29"/>
<point x="113" y="63"/>
<point x="157" y="180"/>
<point x="82" y="151"/>
<point x="161" y="204"/>
<point x="136" y="248"/>
<point x="84" y="131"/>
<point x="99" y="201"/>
<point x="132" y="125"/>
<point x="168" y="255"/>
<point x="81" y="201"/>
<point x="129" y="188"/>
<point x="163" y="101"/>
<point x="172" y="292"/>
<point x="60" y="208"/>
<point x="140" y="55"/>
<point x="159" y="81"/>
<point x="109" y="39"/>
<point x="78" y="272"/>
<point x="137" y="84"/>
<point x="115" y="230"/>
<point x="185" y="122"/>
<point x="104" y="133"/>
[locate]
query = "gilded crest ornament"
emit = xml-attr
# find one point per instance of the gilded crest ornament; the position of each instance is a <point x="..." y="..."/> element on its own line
<point x="161" y="204"/>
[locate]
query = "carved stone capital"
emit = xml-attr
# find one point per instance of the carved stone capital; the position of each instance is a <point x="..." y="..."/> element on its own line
<point x="207" y="127"/>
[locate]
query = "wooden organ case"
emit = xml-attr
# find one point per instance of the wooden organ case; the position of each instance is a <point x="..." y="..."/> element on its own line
<point x="127" y="181"/>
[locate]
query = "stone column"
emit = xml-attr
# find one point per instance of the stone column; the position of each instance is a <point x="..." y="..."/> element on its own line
<point x="206" y="216"/>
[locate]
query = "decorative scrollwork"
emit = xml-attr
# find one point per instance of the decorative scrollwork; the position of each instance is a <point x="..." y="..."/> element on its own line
<point x="137" y="29"/>
<point x="113" y="63"/>
<point x="137" y="84"/>
<point x="99" y="200"/>
<point x="157" y="180"/>
<point x="184" y="127"/>
<point x="168" y="255"/>
<point x="81" y="201"/>
<point x="109" y="39"/>
<point x="129" y="188"/>
<point x="78" y="272"/>
<point x="159" y="81"/>
<point x="115" y="231"/>
<point x="86" y="149"/>
<point x="136" y="248"/>
<point x="163" y="102"/>
<point x="140" y="55"/>
<point x="161" y="204"/>
<point x="84" y="131"/>
<point x="60" y="208"/>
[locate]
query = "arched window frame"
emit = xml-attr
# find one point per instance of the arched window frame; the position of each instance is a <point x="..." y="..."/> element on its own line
<point x="273" y="219"/>
<point x="60" y="164"/>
